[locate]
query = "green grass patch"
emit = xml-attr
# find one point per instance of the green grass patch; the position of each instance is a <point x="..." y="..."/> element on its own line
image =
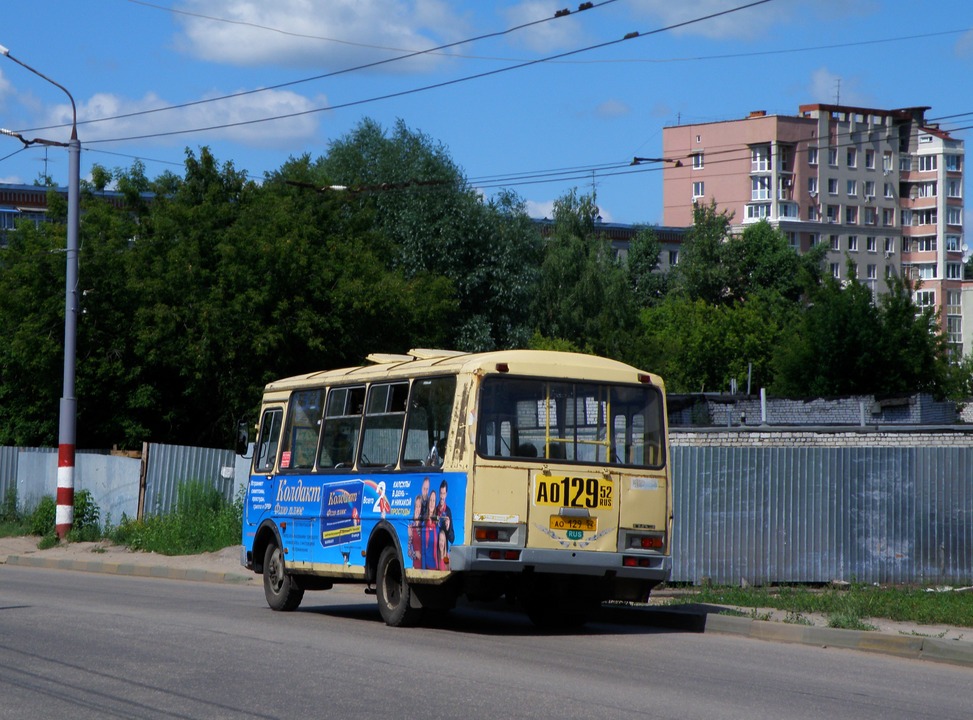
<point x="202" y="521"/>
<point x="845" y="607"/>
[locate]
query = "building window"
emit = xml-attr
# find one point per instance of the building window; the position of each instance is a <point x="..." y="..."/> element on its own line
<point x="889" y="271"/>
<point x="851" y="215"/>
<point x="887" y="162"/>
<point x="870" y="244"/>
<point x="906" y="217"/>
<point x="812" y="155"/>
<point x="905" y="163"/>
<point x="852" y="157"/>
<point x="870" y="215"/>
<point x="870" y="159"/>
<point x="812" y="212"/>
<point x="926" y="243"/>
<point x="832" y="212"/>
<point x="888" y="217"/>
<point x="812" y="186"/>
<point x="760" y="158"/>
<point x="953" y="163"/>
<point x="698" y="189"/>
<point x="758" y="211"/>
<point x="889" y="191"/>
<point x="852" y="243"/>
<point x="954" y="301"/>
<point x="924" y="271"/>
<point x="954" y="271"/>
<point x="926" y="189"/>
<point x="832" y="186"/>
<point x="872" y="271"/>
<point x="852" y="187"/>
<point x="954" y="188"/>
<point x="889" y="245"/>
<point x="954" y="332"/>
<point x="924" y="217"/>
<point x="673" y="257"/>
<point x="954" y="215"/>
<point x="834" y="243"/>
<point x="814" y="239"/>
<point x="697" y="161"/>
<point x="835" y="270"/>
<point x="833" y="157"/>
<point x="952" y="243"/>
<point x="925" y="298"/>
<point x="869" y="188"/>
<point x="927" y="163"/>
<point x="760" y="188"/>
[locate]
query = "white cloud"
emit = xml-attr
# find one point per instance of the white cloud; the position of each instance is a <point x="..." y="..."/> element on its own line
<point x="613" y="109"/>
<point x="558" y="34"/>
<point x="274" y="134"/>
<point x="827" y="88"/>
<point x="327" y="35"/>
<point x="749" y="23"/>
<point x="964" y="46"/>
<point x="544" y="209"/>
<point x="4" y="86"/>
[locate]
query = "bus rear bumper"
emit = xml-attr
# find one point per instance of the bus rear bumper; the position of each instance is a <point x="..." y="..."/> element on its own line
<point x="637" y="566"/>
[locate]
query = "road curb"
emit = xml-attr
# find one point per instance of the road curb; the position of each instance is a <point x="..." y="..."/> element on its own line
<point x="915" y="647"/>
<point x="129" y="568"/>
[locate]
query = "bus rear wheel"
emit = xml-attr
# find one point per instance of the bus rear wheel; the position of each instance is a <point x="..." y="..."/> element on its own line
<point x="280" y="589"/>
<point x="393" y="592"/>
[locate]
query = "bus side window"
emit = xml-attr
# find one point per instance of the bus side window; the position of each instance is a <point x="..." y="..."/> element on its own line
<point x="342" y="423"/>
<point x="427" y="425"/>
<point x="303" y="425"/>
<point x="383" y="424"/>
<point x="266" y="449"/>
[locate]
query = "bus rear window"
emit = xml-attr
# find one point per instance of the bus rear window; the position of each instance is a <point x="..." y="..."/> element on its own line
<point x="561" y="420"/>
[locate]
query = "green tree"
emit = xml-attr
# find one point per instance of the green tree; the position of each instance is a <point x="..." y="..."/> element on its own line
<point x="583" y="295"/>
<point x="437" y="224"/>
<point x="701" y="273"/>
<point x="846" y="344"/>
<point x="649" y="286"/>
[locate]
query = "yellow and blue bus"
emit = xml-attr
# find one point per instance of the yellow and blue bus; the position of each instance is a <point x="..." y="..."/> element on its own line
<point x="537" y="476"/>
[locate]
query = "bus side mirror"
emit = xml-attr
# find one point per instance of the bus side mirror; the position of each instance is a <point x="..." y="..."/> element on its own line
<point x="242" y="438"/>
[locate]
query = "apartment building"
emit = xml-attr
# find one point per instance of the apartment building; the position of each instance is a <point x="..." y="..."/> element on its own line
<point x="883" y="189"/>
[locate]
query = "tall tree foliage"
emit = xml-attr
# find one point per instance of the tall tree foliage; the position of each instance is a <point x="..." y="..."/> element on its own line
<point x="438" y="224"/>
<point x="583" y="295"/>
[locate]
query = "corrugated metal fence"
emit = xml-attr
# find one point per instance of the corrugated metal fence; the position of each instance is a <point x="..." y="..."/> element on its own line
<point x="785" y="514"/>
<point x="757" y="514"/>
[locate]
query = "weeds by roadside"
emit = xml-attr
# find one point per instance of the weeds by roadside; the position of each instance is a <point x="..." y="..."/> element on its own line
<point x="202" y="521"/>
<point x="845" y="607"/>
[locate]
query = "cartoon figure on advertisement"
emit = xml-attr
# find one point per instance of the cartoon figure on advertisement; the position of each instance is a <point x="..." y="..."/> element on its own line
<point x="381" y="505"/>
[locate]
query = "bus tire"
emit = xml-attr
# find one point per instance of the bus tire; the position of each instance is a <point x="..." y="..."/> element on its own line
<point x="280" y="589"/>
<point x="393" y="592"/>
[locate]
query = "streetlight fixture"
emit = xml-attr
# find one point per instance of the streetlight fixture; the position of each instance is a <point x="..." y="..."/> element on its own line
<point x="640" y="160"/>
<point x="67" y="424"/>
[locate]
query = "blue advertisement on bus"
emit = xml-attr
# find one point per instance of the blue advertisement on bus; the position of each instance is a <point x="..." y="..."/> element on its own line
<point x="426" y="510"/>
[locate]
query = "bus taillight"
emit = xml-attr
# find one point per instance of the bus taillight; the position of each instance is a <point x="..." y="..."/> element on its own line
<point x="504" y="554"/>
<point x="491" y="534"/>
<point x="646" y="542"/>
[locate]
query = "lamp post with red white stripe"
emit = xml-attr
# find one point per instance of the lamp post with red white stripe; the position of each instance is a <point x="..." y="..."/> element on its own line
<point x="67" y="423"/>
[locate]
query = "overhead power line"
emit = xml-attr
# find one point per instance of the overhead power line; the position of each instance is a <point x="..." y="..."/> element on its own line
<point x="445" y="83"/>
<point x="408" y="55"/>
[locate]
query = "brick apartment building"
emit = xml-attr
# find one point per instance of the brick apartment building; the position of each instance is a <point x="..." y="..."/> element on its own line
<point x="882" y="188"/>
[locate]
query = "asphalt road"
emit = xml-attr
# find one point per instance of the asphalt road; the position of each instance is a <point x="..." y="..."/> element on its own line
<point x="83" y="645"/>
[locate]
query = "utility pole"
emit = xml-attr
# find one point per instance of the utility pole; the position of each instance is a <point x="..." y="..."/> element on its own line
<point x="67" y="423"/>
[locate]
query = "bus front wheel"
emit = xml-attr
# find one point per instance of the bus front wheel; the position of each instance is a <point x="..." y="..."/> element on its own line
<point x="393" y="591"/>
<point x="280" y="589"/>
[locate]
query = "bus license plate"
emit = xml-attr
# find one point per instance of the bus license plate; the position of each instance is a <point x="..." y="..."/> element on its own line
<point x="588" y="493"/>
<point x="564" y="522"/>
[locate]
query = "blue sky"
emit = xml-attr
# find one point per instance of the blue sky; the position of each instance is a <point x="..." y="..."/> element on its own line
<point x="539" y="128"/>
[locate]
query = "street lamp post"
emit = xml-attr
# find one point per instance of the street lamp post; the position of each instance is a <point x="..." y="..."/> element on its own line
<point x="67" y="424"/>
